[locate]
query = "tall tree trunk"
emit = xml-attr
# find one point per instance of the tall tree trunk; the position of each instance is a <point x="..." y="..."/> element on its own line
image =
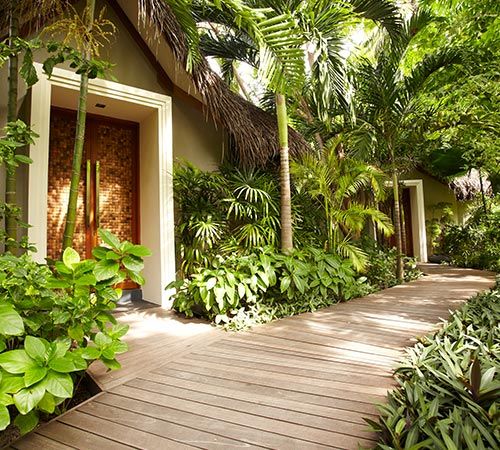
<point x="10" y="175"/>
<point x="483" y="196"/>
<point x="397" y="227"/>
<point x="285" y="191"/>
<point x="69" y="229"/>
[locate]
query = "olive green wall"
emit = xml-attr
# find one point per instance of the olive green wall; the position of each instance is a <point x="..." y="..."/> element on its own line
<point x="195" y="137"/>
<point x="436" y="192"/>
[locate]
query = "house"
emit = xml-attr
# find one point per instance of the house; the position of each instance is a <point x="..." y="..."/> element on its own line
<point x="423" y="198"/>
<point x="137" y="126"/>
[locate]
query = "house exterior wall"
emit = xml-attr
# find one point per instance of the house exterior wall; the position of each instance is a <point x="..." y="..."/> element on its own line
<point x="436" y="192"/>
<point x="195" y="137"/>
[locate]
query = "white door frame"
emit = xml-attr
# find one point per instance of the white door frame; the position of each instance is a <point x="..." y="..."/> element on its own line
<point x="157" y="231"/>
<point x="418" y="218"/>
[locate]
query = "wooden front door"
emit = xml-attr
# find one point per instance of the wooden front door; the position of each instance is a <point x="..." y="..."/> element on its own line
<point x="108" y="191"/>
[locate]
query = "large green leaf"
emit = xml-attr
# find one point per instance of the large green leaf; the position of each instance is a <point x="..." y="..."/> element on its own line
<point x="109" y="238"/>
<point x="17" y="361"/>
<point x="140" y="251"/>
<point x="11" y="323"/>
<point x="27" y="399"/>
<point x="106" y="269"/>
<point x="59" y="384"/>
<point x="35" y="348"/>
<point x="4" y="417"/>
<point x="34" y="375"/>
<point x="26" y="423"/>
<point x="70" y="258"/>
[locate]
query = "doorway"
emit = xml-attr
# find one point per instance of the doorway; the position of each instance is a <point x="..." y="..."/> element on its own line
<point x="109" y="181"/>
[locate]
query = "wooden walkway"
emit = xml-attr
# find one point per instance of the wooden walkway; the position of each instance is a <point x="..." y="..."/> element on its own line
<point x="298" y="383"/>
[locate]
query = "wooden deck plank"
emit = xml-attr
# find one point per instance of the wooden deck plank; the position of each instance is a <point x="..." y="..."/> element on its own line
<point x="65" y="433"/>
<point x="165" y="422"/>
<point x="260" y="374"/>
<point x="244" y="362"/>
<point x="301" y="382"/>
<point x="39" y="442"/>
<point x="172" y="408"/>
<point x="273" y="391"/>
<point x="156" y="392"/>
<point x="309" y="360"/>
<point x="341" y="354"/>
<point x="262" y="398"/>
<point x="124" y="436"/>
<point x="157" y="419"/>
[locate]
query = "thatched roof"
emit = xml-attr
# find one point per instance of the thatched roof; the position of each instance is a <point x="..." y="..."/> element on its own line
<point x="468" y="186"/>
<point x="253" y="132"/>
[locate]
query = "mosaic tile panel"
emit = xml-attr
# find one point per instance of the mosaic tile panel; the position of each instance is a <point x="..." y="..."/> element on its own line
<point x="62" y="133"/>
<point x="116" y="154"/>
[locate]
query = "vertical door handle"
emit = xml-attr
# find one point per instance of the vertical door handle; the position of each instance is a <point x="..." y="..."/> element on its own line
<point x="97" y="191"/>
<point x="88" y="193"/>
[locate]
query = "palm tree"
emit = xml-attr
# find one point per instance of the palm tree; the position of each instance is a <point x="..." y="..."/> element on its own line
<point x="336" y="185"/>
<point x="320" y="28"/>
<point x="277" y="40"/>
<point x="388" y="103"/>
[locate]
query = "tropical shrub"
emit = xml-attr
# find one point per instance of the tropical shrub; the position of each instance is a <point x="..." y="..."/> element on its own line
<point x="380" y="270"/>
<point x="477" y="243"/>
<point x="239" y="291"/>
<point x="449" y="387"/>
<point x="54" y="322"/>
<point x="223" y="212"/>
<point x="336" y="187"/>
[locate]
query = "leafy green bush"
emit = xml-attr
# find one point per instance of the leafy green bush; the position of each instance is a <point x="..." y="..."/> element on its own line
<point x="381" y="268"/>
<point x="242" y="290"/>
<point x="55" y="322"/>
<point x="449" y="389"/>
<point x="223" y="212"/>
<point x="477" y="243"/>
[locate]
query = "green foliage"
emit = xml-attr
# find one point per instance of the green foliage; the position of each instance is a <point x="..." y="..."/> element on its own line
<point x="477" y="243"/>
<point x="441" y="217"/>
<point x="449" y="386"/>
<point x="336" y="186"/>
<point x="223" y="212"/>
<point x="381" y="268"/>
<point x="239" y="291"/>
<point x="16" y="135"/>
<point x="54" y="322"/>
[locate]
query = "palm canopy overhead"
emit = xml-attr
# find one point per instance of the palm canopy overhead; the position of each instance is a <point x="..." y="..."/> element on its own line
<point x="318" y="35"/>
<point x="387" y="94"/>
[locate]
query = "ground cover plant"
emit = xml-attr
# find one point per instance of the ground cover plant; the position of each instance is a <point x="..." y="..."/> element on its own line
<point x="476" y="244"/>
<point x="242" y="290"/>
<point x="449" y="386"/>
<point x="55" y="321"/>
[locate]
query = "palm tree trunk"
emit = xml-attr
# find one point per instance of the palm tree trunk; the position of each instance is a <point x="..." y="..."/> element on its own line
<point x="69" y="229"/>
<point x="11" y="173"/>
<point x="483" y="196"/>
<point x="397" y="227"/>
<point x="285" y="191"/>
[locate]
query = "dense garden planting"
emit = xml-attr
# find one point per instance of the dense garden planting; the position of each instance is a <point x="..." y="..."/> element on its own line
<point x="54" y="322"/>
<point x="449" y="385"/>
<point x="228" y="230"/>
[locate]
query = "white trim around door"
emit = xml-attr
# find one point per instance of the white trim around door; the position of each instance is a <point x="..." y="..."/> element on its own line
<point x="156" y="187"/>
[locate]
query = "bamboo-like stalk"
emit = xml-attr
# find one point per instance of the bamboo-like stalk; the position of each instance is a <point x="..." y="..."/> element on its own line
<point x="285" y="191"/>
<point x="69" y="229"/>
<point x="11" y="172"/>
